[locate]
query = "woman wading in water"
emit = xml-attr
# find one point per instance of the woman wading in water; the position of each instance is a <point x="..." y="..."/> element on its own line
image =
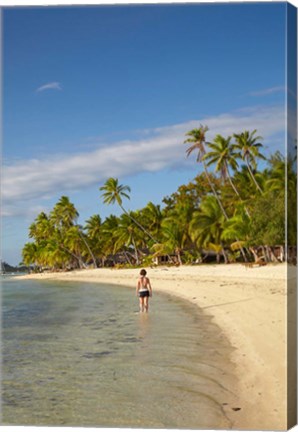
<point x="144" y="291"/>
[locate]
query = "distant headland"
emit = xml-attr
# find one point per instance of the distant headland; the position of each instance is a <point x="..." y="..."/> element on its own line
<point x="6" y="268"/>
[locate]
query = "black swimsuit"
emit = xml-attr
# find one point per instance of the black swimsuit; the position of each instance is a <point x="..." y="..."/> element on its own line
<point x="144" y="292"/>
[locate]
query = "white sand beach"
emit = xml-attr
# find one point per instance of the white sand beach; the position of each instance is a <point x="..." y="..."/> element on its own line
<point x="250" y="306"/>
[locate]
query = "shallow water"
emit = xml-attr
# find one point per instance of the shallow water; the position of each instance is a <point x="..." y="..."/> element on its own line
<point x="79" y="354"/>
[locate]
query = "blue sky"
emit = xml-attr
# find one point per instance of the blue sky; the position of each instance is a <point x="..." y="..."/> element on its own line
<point x="94" y="92"/>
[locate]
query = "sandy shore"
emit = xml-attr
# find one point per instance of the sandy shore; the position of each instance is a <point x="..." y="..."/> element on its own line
<point x="250" y="306"/>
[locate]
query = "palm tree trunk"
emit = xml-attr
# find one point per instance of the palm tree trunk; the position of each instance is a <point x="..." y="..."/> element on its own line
<point x="178" y="252"/>
<point x="79" y="259"/>
<point x="271" y="254"/>
<point x="224" y="254"/>
<point x="282" y="254"/>
<point x="127" y="257"/>
<point x="252" y="176"/>
<point x="222" y="209"/>
<point x="89" y="250"/>
<point x="138" y="224"/>
<point x="255" y="255"/>
<point x="235" y="190"/>
<point x="136" y="251"/>
<point x="142" y="228"/>
<point x="214" y="192"/>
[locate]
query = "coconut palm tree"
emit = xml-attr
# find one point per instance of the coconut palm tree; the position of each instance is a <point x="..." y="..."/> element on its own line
<point x="238" y="226"/>
<point x="207" y="226"/>
<point x="281" y="184"/>
<point x="42" y="227"/>
<point x="152" y="217"/>
<point x="85" y="240"/>
<point x="114" y="192"/>
<point x="64" y="213"/>
<point x="108" y="230"/>
<point x="244" y="183"/>
<point x="29" y="254"/>
<point x="172" y="242"/>
<point x="281" y="176"/>
<point x="50" y="241"/>
<point x="199" y="140"/>
<point x="73" y="242"/>
<point x="126" y="235"/>
<point x="249" y="147"/>
<point x="197" y="137"/>
<point x="181" y="216"/>
<point x="64" y="216"/>
<point x="223" y="155"/>
<point x="93" y="227"/>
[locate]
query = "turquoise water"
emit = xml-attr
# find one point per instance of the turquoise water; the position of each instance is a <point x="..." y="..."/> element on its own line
<point x="80" y="354"/>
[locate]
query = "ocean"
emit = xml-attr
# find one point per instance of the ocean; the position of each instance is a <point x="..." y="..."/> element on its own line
<point x="80" y="354"/>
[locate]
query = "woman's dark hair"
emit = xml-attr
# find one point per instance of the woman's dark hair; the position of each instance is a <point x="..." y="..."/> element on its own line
<point x="143" y="272"/>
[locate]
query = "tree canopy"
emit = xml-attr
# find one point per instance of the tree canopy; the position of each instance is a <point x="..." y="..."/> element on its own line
<point x="231" y="209"/>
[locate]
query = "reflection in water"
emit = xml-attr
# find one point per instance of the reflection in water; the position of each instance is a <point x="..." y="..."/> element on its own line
<point x="79" y="355"/>
<point x="143" y="325"/>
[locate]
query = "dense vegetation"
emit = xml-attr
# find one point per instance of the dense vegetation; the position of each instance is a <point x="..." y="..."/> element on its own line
<point x="6" y="268"/>
<point x="232" y="209"/>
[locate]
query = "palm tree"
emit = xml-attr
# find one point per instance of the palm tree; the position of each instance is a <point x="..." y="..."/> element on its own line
<point x="152" y="217"/>
<point x="109" y="228"/>
<point x="42" y="228"/>
<point x="50" y="240"/>
<point x="207" y="226"/>
<point x="244" y="182"/>
<point x="282" y="185"/>
<point x="238" y="226"/>
<point x="181" y="216"/>
<point x="281" y="176"/>
<point x="127" y="235"/>
<point x="175" y="237"/>
<point x="29" y="254"/>
<point x="198" y="139"/>
<point x="172" y="241"/>
<point x="65" y="215"/>
<point x="223" y="155"/>
<point x="93" y="227"/>
<point x="59" y="239"/>
<point x="249" y="147"/>
<point x="114" y="192"/>
<point x="86" y="242"/>
<point x="73" y="242"/>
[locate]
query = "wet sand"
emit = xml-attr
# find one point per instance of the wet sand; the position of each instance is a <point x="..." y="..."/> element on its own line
<point x="250" y="306"/>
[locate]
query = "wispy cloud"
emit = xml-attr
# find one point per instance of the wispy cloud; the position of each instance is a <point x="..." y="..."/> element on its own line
<point x="30" y="181"/>
<point x="268" y="91"/>
<point x="49" y="86"/>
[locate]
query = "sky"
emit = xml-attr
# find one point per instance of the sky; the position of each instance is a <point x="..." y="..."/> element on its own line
<point x="110" y="91"/>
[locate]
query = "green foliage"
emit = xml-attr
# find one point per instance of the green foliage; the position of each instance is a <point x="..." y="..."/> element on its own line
<point x="227" y="211"/>
<point x="114" y="192"/>
<point x="268" y="223"/>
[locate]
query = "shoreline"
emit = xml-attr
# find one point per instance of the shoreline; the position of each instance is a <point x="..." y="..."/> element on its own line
<point x="250" y="307"/>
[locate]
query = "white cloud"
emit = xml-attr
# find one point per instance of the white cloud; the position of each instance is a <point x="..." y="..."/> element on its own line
<point x="35" y="180"/>
<point x="50" y="86"/>
<point x="268" y="91"/>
